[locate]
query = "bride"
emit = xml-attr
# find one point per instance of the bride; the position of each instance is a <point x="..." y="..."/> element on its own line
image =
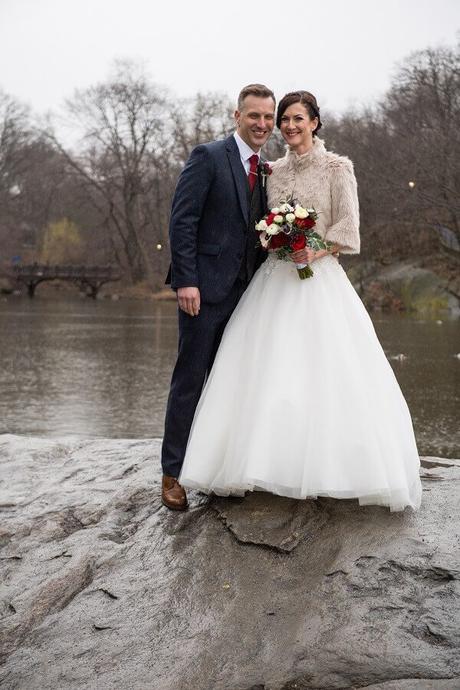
<point x="301" y="400"/>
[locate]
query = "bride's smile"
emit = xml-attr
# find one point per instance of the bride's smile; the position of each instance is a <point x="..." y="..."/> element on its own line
<point x="297" y="128"/>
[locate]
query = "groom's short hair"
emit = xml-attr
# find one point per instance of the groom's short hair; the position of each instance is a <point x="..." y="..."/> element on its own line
<point x="258" y="90"/>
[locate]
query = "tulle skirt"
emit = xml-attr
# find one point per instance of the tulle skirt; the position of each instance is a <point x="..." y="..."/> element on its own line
<point x="301" y="400"/>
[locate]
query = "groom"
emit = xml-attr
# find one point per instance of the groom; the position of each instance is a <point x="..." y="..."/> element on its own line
<point x="219" y="197"/>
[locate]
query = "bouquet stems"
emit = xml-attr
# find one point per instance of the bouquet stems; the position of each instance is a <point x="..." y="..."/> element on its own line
<point x="304" y="271"/>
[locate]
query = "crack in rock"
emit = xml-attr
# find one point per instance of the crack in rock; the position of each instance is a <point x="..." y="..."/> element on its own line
<point x="54" y="595"/>
<point x="275" y="522"/>
<point x="402" y="683"/>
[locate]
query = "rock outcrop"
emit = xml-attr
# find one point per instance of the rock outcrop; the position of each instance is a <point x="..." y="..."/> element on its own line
<point x="103" y="587"/>
<point x="406" y="286"/>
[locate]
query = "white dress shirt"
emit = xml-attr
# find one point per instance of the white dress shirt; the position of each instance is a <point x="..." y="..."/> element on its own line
<point x="245" y="152"/>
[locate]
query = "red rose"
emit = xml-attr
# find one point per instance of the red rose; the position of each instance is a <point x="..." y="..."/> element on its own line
<point x="279" y="240"/>
<point x="298" y="242"/>
<point x="305" y="223"/>
<point x="269" y="219"/>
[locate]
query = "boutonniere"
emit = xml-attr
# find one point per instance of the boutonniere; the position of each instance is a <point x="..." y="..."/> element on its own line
<point x="265" y="171"/>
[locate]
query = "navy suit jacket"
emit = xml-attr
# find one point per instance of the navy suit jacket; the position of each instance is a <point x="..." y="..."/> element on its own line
<point x="209" y="222"/>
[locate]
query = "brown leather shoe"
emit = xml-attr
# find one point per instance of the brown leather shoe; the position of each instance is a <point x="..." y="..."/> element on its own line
<point x="173" y="495"/>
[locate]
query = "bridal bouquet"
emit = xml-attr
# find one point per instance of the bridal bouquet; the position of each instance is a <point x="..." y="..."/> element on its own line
<point x="288" y="228"/>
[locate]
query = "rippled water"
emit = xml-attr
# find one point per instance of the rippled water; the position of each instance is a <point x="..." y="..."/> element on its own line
<point x="88" y="368"/>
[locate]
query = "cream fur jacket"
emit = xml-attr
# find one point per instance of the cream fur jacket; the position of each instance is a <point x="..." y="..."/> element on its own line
<point x="326" y="181"/>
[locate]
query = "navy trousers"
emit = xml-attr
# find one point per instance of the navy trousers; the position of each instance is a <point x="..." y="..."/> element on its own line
<point x="199" y="339"/>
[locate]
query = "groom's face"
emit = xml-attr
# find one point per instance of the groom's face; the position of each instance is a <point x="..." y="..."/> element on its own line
<point x="255" y="120"/>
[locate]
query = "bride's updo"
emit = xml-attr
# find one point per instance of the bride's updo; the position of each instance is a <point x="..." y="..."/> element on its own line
<point x="306" y="99"/>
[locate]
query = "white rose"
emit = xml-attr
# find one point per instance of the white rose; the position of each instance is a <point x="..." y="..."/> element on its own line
<point x="278" y="219"/>
<point x="272" y="229"/>
<point x="310" y="211"/>
<point x="261" y="225"/>
<point x="274" y="210"/>
<point x="300" y="212"/>
<point x="290" y="217"/>
<point x="285" y="208"/>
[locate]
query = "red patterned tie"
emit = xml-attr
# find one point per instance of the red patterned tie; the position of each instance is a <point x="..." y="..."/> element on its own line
<point x="252" y="176"/>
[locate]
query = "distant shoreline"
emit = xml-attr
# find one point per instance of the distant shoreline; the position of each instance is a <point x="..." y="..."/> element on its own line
<point x="420" y="285"/>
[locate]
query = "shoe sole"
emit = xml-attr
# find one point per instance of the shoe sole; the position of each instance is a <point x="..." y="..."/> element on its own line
<point x="174" y="507"/>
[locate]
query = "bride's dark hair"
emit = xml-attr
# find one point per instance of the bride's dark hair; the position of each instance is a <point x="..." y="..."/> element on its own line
<point x="306" y="99"/>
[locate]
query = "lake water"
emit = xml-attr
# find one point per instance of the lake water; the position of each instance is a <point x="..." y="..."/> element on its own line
<point x="84" y="368"/>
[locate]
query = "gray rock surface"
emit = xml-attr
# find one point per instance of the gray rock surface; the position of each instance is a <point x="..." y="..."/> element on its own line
<point x="104" y="588"/>
<point x="405" y="285"/>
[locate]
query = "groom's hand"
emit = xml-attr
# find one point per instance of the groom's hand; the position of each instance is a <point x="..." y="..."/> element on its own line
<point x="189" y="300"/>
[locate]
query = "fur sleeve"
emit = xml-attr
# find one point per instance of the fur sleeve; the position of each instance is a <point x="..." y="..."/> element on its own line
<point x="345" y="207"/>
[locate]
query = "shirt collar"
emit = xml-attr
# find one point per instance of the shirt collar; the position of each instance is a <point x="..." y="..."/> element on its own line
<point x="245" y="151"/>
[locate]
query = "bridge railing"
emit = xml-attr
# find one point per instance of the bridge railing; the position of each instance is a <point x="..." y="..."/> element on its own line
<point x="88" y="277"/>
<point x="64" y="271"/>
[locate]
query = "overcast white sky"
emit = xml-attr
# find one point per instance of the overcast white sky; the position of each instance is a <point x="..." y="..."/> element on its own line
<point x="344" y="51"/>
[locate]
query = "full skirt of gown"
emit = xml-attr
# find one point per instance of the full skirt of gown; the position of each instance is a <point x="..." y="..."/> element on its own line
<point x="301" y="400"/>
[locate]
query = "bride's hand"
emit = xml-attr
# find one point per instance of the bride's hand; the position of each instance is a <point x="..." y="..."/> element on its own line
<point x="306" y="256"/>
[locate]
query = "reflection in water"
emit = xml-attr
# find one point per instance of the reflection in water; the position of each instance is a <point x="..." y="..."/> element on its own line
<point x="76" y="368"/>
<point x="84" y="368"/>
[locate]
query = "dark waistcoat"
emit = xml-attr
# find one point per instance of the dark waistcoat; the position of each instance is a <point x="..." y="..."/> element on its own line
<point x="254" y="255"/>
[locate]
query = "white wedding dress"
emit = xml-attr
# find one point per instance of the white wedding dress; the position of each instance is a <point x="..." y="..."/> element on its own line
<point x="301" y="400"/>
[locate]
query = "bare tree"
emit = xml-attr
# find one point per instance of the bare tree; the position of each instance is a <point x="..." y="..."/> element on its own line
<point x="200" y="119"/>
<point x="15" y="137"/>
<point x="422" y="114"/>
<point x="30" y="177"/>
<point x="15" y="134"/>
<point x="406" y="152"/>
<point x="123" y="137"/>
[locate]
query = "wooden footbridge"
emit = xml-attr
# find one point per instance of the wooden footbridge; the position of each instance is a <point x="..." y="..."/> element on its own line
<point x="89" y="278"/>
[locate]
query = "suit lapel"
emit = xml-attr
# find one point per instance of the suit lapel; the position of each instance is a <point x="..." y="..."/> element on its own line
<point x="239" y="175"/>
